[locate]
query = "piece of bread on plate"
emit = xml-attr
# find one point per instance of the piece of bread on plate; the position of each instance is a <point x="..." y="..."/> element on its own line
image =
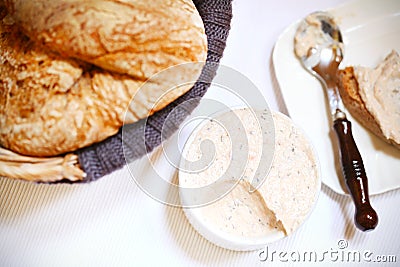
<point x="372" y="96"/>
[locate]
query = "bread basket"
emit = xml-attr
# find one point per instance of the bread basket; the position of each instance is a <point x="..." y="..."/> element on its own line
<point x="100" y="159"/>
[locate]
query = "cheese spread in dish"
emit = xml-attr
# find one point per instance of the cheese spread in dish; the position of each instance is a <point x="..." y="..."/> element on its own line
<point x="379" y="89"/>
<point x="284" y="199"/>
<point x="293" y="182"/>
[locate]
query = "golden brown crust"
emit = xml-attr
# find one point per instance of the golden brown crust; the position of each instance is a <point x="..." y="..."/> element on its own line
<point x="53" y="104"/>
<point x="135" y="37"/>
<point x="349" y="91"/>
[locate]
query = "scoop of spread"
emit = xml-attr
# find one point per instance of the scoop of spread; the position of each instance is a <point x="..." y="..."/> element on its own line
<point x="379" y="89"/>
<point x="309" y="36"/>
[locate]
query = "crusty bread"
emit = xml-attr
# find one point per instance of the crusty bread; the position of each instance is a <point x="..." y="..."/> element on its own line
<point x="349" y="91"/>
<point x="134" y="37"/>
<point x="69" y="69"/>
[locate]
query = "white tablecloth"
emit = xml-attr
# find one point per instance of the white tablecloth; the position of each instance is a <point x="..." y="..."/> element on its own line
<point x="113" y="222"/>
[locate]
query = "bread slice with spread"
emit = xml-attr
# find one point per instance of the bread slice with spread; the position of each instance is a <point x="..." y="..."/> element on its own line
<point x="373" y="96"/>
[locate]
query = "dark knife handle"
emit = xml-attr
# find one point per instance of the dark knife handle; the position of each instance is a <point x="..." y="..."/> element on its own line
<point x="355" y="176"/>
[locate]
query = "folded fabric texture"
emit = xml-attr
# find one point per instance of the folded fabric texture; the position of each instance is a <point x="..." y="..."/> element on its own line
<point x="140" y="138"/>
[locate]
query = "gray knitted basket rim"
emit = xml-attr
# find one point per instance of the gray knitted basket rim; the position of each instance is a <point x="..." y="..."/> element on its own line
<point x="144" y="136"/>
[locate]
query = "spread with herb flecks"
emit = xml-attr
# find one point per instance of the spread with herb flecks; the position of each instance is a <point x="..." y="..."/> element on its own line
<point x="379" y="89"/>
<point x="285" y="198"/>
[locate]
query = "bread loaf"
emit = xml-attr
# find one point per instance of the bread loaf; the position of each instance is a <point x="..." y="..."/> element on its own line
<point x="372" y="96"/>
<point x="69" y="69"/>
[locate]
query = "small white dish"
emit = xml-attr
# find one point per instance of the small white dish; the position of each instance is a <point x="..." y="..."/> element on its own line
<point x="290" y="200"/>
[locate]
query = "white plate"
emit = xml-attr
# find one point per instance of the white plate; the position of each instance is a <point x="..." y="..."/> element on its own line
<point x="370" y="29"/>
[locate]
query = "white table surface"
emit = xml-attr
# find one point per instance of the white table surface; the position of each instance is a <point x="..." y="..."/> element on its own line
<point x="111" y="222"/>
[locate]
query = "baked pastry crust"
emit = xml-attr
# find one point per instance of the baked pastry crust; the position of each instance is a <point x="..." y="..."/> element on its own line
<point x="69" y="69"/>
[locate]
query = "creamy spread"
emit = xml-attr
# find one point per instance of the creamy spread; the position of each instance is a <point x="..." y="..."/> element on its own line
<point x="309" y="35"/>
<point x="291" y="188"/>
<point x="285" y="198"/>
<point x="379" y="89"/>
<point x="241" y="213"/>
